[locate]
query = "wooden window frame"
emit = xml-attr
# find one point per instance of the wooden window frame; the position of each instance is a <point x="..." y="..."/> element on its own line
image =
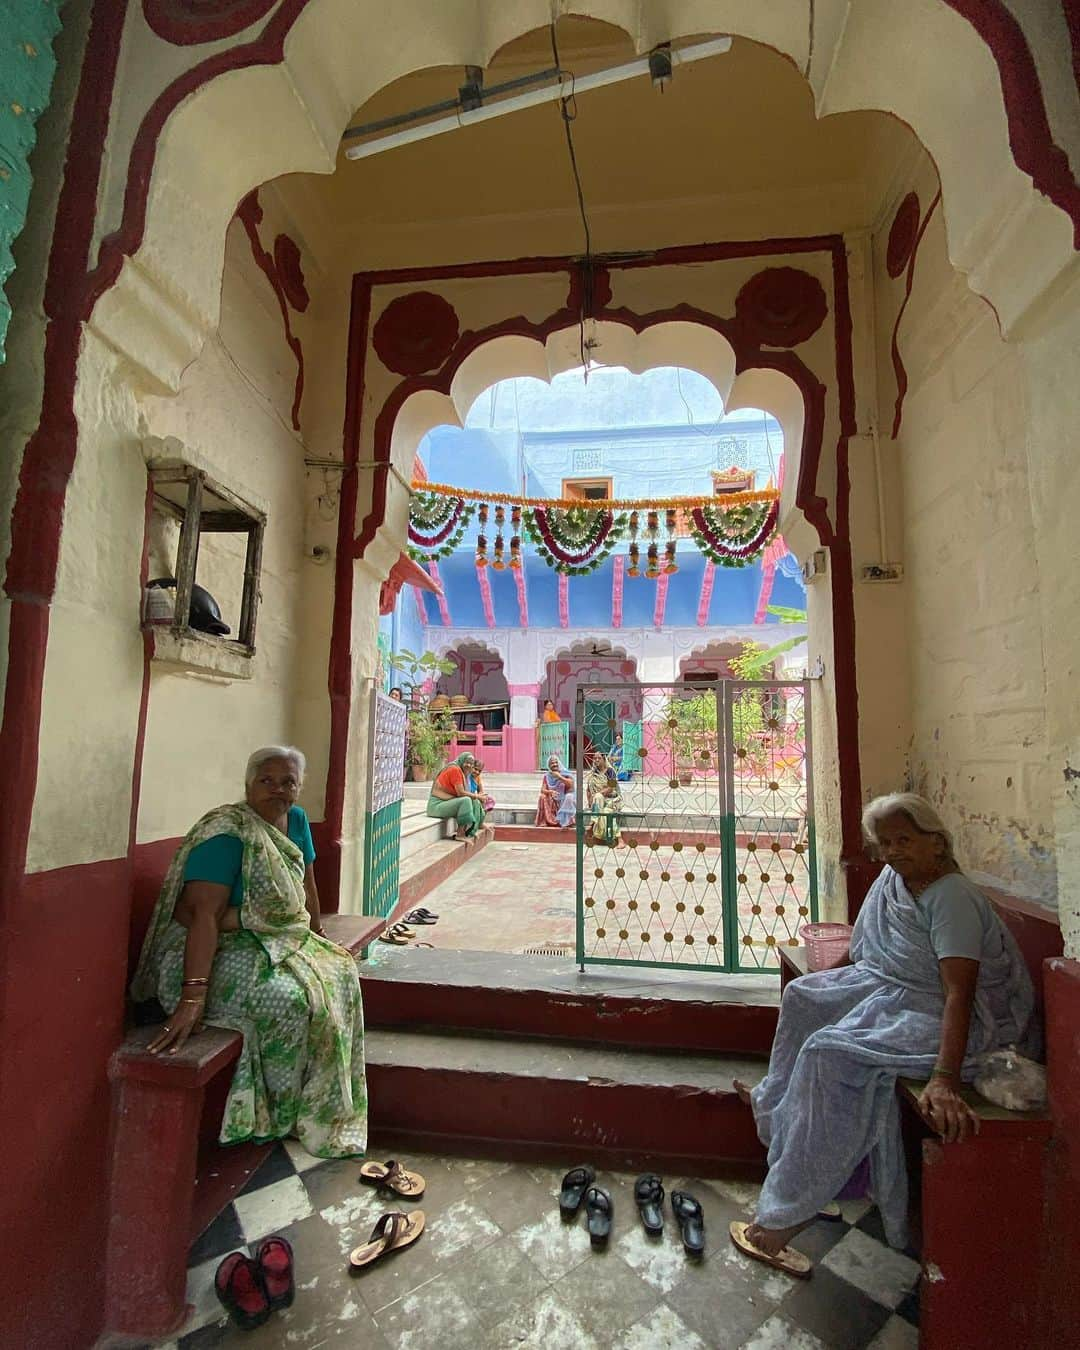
<point x="209" y="508"/>
<point x="599" y="480"/>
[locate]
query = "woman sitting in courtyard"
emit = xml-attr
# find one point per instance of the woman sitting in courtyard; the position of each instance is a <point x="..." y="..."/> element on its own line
<point x="557" y="805"/>
<point x="236" y="941"/>
<point x="935" y="980"/>
<point x="452" y="797"/>
<point x="604" y="801"/>
<point x="476" y="783"/>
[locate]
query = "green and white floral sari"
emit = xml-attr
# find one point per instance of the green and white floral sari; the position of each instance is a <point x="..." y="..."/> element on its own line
<point x="294" y="996"/>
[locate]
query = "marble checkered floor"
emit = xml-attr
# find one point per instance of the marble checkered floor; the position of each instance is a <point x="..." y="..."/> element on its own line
<point x="497" y="1269"/>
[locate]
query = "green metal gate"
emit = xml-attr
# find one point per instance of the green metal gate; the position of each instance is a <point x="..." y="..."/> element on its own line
<point x="705" y="859"/>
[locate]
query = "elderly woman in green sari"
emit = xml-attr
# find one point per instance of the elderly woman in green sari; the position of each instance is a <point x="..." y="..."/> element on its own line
<point x="236" y="941"/>
<point x="453" y="798"/>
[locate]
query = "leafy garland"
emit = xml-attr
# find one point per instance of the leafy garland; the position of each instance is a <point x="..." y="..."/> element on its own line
<point x="437" y="525"/>
<point x="577" y="539"/>
<point x="574" y="541"/>
<point x="735" y="537"/>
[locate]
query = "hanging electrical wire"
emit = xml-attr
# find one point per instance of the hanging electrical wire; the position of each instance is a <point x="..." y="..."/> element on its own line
<point x="568" y="112"/>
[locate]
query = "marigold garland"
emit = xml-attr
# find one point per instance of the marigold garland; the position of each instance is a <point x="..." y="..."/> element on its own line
<point x="606" y="504"/>
<point x="576" y="537"/>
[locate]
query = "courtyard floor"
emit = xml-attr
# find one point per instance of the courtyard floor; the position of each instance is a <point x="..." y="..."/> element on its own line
<point x="497" y="1269"/>
<point x="661" y="905"/>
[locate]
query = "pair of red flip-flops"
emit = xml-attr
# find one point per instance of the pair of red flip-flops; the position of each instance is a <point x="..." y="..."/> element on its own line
<point x="250" y="1288"/>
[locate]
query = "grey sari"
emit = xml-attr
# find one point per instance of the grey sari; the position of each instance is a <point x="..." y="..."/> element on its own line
<point x="845" y="1036"/>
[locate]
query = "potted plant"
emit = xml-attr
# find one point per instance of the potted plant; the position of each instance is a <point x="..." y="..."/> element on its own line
<point x="429" y="735"/>
<point x="689" y="731"/>
<point x="415" y="671"/>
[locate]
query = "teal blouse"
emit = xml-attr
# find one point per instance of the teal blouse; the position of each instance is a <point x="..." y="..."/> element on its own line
<point x="221" y="858"/>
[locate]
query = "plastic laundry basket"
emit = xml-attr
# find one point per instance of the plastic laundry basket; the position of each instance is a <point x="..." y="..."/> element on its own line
<point x="826" y="944"/>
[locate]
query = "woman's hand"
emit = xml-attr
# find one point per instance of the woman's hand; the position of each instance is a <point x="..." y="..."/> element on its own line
<point x="947" y="1111"/>
<point x="185" y="1021"/>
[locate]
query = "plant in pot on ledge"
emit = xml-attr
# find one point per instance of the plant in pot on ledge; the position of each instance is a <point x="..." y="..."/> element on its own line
<point x="429" y="735"/>
<point x="689" y="732"/>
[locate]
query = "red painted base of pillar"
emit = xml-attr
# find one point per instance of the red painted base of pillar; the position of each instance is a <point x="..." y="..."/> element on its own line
<point x="1061" y="1259"/>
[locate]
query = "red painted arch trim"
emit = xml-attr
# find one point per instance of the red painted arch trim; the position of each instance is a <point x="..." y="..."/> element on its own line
<point x="1030" y="137"/>
<point x="899" y="369"/>
<point x="267" y="49"/>
<point x="251" y="214"/>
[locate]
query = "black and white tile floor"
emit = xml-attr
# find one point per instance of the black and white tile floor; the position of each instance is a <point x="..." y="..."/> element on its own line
<point x="497" y="1268"/>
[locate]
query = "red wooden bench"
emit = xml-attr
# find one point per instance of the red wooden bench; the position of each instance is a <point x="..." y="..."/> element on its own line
<point x="981" y="1202"/>
<point x="169" y="1178"/>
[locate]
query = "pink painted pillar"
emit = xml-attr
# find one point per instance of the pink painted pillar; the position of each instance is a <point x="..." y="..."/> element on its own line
<point x="519" y="738"/>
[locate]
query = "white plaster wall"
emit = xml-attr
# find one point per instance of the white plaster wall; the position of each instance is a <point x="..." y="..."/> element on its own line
<point x="231" y="417"/>
<point x="973" y="642"/>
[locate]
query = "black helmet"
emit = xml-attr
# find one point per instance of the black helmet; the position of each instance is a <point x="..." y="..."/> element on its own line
<point x="205" y="617"/>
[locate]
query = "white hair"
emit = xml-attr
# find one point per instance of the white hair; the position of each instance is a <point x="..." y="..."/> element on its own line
<point x="289" y="752"/>
<point x="917" y="809"/>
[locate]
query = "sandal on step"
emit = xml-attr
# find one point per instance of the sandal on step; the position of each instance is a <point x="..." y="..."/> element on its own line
<point x="240" y="1291"/>
<point x="392" y="1232"/>
<point x="426" y="913"/>
<point x="402" y="930"/>
<point x="274" y="1257"/>
<point x="599" y="1211"/>
<point x="787" y="1259"/>
<point x="691" y="1219"/>
<point x="391" y="1176"/>
<point x="393" y="939"/>
<point x="419" y="919"/>
<point x="649" y="1194"/>
<point x="574" y="1185"/>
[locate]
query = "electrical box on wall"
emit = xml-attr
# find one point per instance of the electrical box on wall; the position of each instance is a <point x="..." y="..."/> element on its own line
<point x="883" y="572"/>
<point x="815" y="565"/>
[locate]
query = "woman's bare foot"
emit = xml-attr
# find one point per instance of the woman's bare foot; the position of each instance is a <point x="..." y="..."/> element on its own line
<point x="742" y="1092"/>
<point x="774" y="1240"/>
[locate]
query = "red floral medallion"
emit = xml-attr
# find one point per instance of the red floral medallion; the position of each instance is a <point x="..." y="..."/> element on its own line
<point x="415" y="333"/>
<point x="185" y="23"/>
<point x="781" y="307"/>
<point x="902" y="234"/>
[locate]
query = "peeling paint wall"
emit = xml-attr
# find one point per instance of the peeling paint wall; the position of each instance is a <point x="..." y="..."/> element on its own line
<point x="973" y="647"/>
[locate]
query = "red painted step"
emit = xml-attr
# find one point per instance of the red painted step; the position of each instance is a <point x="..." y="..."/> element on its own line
<point x="524" y="996"/>
<point x="503" y="1096"/>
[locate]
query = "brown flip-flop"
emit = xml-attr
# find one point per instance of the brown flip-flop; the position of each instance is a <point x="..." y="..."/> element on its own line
<point x="394" y="939"/>
<point x="393" y="1231"/>
<point x="787" y="1259"/>
<point x="391" y="1176"/>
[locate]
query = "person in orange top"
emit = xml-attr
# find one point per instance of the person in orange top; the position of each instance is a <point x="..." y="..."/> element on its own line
<point x="550" y="715"/>
<point x="452" y="798"/>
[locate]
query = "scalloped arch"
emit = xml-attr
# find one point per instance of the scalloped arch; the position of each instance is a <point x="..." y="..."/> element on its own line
<point x="282" y="109"/>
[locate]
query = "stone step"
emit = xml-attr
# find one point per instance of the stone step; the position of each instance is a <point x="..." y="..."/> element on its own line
<point x="418" y="831"/>
<point x="529" y="1098"/>
<point x="549" y="997"/>
<point x="430" y="865"/>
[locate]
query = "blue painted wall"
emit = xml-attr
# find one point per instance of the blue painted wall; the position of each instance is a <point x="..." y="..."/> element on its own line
<point x="655" y="435"/>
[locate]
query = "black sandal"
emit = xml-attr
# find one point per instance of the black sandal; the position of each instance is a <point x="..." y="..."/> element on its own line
<point x="418" y="919"/>
<point x="599" y="1209"/>
<point x="574" y="1185"/>
<point x="649" y="1194"/>
<point x="691" y="1218"/>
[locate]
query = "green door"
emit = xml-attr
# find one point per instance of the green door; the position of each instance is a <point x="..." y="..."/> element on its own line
<point x="631" y="745"/>
<point x="600" y="723"/>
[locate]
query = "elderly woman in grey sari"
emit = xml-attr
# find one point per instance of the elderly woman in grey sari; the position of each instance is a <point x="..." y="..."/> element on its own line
<point x="935" y="981"/>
